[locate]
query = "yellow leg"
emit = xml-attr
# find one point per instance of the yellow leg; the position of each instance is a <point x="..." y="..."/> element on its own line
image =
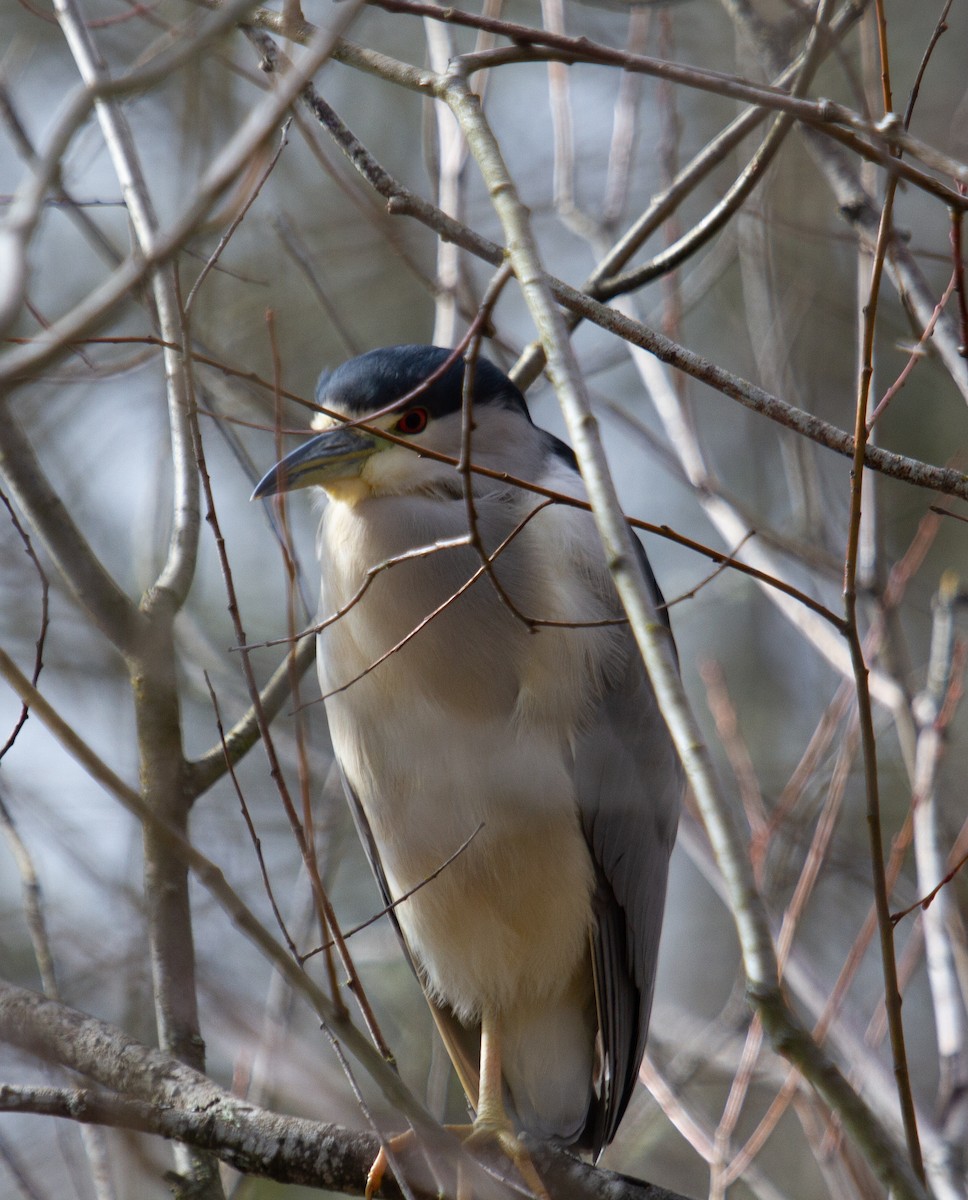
<point x="491" y="1123"/>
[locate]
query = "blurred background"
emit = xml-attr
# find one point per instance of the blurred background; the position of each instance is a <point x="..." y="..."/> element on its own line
<point x="314" y="270"/>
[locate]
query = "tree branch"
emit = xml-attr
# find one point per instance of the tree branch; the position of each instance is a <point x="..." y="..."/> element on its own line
<point x="106" y="604"/>
<point x="153" y="1093"/>
<point x="653" y="640"/>
<point x="244" y="734"/>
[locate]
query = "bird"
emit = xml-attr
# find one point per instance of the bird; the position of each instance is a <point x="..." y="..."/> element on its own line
<point x="512" y="779"/>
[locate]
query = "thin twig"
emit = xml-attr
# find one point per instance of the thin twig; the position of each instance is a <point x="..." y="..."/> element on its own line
<point x="44" y="617"/>
<point x="422" y="624"/>
<point x="249" y="824"/>
<point x="388" y="909"/>
<point x="237" y="220"/>
<point x="865" y="713"/>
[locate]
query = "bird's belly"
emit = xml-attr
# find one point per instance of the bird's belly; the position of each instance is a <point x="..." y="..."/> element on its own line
<point x="493" y="846"/>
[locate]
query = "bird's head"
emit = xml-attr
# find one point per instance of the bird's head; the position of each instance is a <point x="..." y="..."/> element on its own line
<point x="406" y="391"/>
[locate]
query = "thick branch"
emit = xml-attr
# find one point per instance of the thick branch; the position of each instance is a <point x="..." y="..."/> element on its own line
<point x="215" y="883"/>
<point x="153" y="1093"/>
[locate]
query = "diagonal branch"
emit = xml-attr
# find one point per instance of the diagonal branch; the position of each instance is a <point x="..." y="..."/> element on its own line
<point x="653" y="639"/>
<point x="153" y="1093"/>
<point x="106" y="604"/>
<point x="244" y="734"/>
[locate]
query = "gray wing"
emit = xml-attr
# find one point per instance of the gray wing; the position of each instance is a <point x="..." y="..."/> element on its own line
<point x="629" y="785"/>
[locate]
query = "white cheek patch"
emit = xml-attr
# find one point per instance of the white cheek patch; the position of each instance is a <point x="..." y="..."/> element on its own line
<point x="390" y="470"/>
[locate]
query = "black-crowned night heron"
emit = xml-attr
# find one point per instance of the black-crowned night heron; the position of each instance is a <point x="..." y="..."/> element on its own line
<point x="497" y="721"/>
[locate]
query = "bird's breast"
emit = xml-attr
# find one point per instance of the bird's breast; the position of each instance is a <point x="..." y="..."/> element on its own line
<point x="421" y="613"/>
<point x="454" y="719"/>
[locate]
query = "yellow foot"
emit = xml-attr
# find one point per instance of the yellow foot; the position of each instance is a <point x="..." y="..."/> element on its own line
<point x="500" y="1131"/>
<point x="480" y="1133"/>
<point x="374" y="1177"/>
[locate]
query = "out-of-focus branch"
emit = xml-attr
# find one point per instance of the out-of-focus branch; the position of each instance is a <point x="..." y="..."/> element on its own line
<point x="757" y="399"/>
<point x="668" y="201"/>
<point x="447" y="159"/>
<point x="20" y="219"/>
<point x="99" y="595"/>
<point x="840" y="1031"/>
<point x="879" y="141"/>
<point x="841" y="1098"/>
<point x="32" y="901"/>
<point x="853" y="201"/>
<point x="402" y="200"/>
<point x="213" y="880"/>
<point x="732" y="528"/>
<point x="695" y="1129"/>
<point x="34" y="914"/>
<point x="179" y="570"/>
<point x="949" y="1012"/>
<point x="742" y="187"/>
<point x="857" y="207"/>
<point x="244" y="734"/>
<point x="157" y="705"/>
<point x="233" y="160"/>
<point x="151" y="654"/>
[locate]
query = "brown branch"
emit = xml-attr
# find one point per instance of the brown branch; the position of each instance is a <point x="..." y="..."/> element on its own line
<point x="434" y="613"/>
<point x="388" y="908"/>
<point x="213" y="880"/>
<point x="892" y="995"/>
<point x="878" y="141"/>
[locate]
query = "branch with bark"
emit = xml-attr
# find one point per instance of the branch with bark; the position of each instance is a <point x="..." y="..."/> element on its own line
<point x="149" y="1092"/>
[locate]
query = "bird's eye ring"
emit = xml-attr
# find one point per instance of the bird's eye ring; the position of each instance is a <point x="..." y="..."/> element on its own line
<point x="414" y="420"/>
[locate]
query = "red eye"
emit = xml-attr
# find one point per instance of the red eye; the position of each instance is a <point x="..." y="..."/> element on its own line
<point x="414" y="420"/>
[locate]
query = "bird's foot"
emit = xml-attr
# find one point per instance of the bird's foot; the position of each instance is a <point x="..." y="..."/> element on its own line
<point x="374" y="1177"/>
<point x="481" y="1133"/>
<point x="500" y="1131"/>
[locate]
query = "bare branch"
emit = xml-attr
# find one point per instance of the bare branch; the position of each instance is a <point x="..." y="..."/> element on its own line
<point x="159" y="1095"/>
